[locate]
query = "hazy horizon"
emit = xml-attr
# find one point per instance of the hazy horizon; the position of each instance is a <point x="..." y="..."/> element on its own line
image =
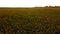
<point x="29" y="3"/>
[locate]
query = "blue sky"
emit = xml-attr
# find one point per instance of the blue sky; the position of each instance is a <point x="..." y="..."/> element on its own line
<point x="28" y="3"/>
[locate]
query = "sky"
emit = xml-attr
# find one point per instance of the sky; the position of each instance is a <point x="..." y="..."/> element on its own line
<point x="28" y="3"/>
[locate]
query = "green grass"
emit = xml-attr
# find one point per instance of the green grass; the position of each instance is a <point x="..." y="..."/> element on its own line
<point x="29" y="20"/>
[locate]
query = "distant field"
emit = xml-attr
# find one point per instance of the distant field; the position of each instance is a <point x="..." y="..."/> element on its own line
<point x="29" y="20"/>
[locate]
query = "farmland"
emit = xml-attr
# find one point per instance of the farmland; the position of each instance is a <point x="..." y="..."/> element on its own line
<point x="29" y="20"/>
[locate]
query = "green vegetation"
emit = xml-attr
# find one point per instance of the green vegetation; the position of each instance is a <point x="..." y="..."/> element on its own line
<point x="30" y="20"/>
